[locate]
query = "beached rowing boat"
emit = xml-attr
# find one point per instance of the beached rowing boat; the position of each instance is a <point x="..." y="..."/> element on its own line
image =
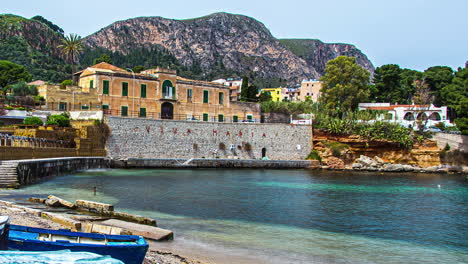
<point x="129" y="249"/>
<point x="4" y="228"/>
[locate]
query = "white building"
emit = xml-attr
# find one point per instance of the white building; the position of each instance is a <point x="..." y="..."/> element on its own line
<point x="409" y="115"/>
<point x="235" y="85"/>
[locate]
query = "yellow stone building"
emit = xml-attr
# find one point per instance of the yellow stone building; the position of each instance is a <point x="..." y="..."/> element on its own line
<point x="310" y="89"/>
<point x="153" y="93"/>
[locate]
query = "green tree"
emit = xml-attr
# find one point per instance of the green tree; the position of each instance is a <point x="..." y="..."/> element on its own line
<point x="264" y="97"/>
<point x="103" y="58"/>
<point x="71" y="48"/>
<point x="252" y="92"/>
<point x="345" y="85"/>
<point x="138" y="69"/>
<point x="408" y="78"/>
<point x="455" y="95"/>
<point x="438" y="77"/>
<point x="49" y="24"/>
<point x="23" y="89"/>
<point x="12" y="73"/>
<point x="244" y="89"/>
<point x="387" y="84"/>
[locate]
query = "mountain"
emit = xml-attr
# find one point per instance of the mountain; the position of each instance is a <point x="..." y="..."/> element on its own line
<point x="316" y="53"/>
<point x="214" y="46"/>
<point x="33" y="44"/>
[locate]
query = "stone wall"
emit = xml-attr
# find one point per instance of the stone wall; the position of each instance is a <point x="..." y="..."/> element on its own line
<point x="142" y="138"/>
<point x="31" y="171"/>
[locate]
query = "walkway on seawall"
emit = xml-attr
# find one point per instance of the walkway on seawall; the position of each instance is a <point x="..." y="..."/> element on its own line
<point x="16" y="173"/>
<point x="213" y="163"/>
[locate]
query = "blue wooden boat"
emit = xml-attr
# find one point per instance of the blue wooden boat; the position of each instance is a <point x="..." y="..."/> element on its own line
<point x="4" y="228"/>
<point x="129" y="249"/>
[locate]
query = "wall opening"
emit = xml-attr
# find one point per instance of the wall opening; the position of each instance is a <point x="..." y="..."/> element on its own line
<point x="167" y="111"/>
<point x="264" y="150"/>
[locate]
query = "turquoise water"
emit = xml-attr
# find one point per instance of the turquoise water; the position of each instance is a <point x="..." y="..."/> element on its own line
<point x="288" y="216"/>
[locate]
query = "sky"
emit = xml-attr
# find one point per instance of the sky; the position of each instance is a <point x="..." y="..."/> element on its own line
<point x="414" y="34"/>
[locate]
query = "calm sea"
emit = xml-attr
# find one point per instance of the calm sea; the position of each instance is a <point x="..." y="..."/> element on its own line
<point x="288" y="216"/>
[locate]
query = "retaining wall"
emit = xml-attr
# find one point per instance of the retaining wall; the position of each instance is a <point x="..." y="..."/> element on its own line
<point x="31" y="171"/>
<point x="143" y="138"/>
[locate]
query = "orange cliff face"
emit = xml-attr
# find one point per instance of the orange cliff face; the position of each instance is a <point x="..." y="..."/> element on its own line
<point x="424" y="155"/>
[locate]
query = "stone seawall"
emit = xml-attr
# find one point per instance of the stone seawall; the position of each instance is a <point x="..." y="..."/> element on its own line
<point x="143" y="138"/>
<point x="23" y="172"/>
<point x="214" y="163"/>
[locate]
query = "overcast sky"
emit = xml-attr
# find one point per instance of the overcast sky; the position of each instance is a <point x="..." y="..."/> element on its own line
<point x="415" y="34"/>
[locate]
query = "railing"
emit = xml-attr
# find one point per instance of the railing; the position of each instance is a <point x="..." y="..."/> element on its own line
<point x="183" y="117"/>
<point x="16" y="141"/>
<point x="54" y="106"/>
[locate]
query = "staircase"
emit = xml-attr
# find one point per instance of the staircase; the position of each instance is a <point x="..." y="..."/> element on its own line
<point x="8" y="174"/>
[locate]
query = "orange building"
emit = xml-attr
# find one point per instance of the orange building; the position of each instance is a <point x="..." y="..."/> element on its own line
<point x="160" y="93"/>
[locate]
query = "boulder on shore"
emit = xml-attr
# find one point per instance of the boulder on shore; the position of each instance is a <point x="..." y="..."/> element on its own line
<point x="54" y="201"/>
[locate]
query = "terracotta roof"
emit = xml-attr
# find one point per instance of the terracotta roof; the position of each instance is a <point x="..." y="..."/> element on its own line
<point x="392" y="107"/>
<point x="37" y="82"/>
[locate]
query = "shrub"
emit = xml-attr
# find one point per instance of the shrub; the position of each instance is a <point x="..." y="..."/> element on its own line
<point x="314" y="155"/>
<point x="440" y="125"/>
<point x="61" y="120"/>
<point x="33" y="121"/>
<point x="52" y="123"/>
<point x="336" y="147"/>
<point x="66" y="83"/>
<point x="447" y="147"/>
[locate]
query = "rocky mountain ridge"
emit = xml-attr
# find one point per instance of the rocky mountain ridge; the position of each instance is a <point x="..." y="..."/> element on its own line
<point x="214" y="46"/>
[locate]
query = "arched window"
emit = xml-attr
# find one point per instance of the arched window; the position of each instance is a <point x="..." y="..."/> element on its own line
<point x="409" y="116"/>
<point x="422" y="116"/>
<point x="168" y="90"/>
<point x="435" y="117"/>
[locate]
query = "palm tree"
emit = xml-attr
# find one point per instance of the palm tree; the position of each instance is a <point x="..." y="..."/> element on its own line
<point x="71" y="48"/>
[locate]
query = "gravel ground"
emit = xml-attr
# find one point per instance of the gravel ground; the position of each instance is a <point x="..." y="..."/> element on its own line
<point x="19" y="217"/>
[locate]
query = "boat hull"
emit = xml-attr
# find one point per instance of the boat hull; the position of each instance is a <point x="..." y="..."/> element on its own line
<point x="4" y="231"/>
<point x="24" y="239"/>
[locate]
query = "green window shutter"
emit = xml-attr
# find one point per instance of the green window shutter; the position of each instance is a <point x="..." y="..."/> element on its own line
<point x="104" y="107"/>
<point x="221" y="98"/>
<point x="124" y="89"/>
<point x="173" y="93"/>
<point x="249" y="117"/>
<point x="220" y="118"/>
<point x="105" y="85"/>
<point x="205" y="117"/>
<point x="143" y="91"/>
<point x="124" y="111"/>
<point x="206" y="98"/>
<point x="168" y="90"/>
<point x="142" y="112"/>
<point x="84" y="107"/>
<point x="91" y="84"/>
<point x="235" y="119"/>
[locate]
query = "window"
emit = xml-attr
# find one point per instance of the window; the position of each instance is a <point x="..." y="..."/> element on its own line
<point x="168" y="90"/>
<point x="206" y="97"/>
<point x="277" y="92"/>
<point x="142" y="112"/>
<point x="205" y="117"/>
<point x="221" y="98"/>
<point x="124" y="89"/>
<point x="105" y="87"/>
<point x="105" y="107"/>
<point x="220" y="118"/>
<point x="189" y="95"/>
<point x="91" y="83"/>
<point x="143" y="91"/>
<point x="235" y="119"/>
<point x="62" y="106"/>
<point x="124" y="111"/>
<point x="249" y="118"/>
<point x="85" y="107"/>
